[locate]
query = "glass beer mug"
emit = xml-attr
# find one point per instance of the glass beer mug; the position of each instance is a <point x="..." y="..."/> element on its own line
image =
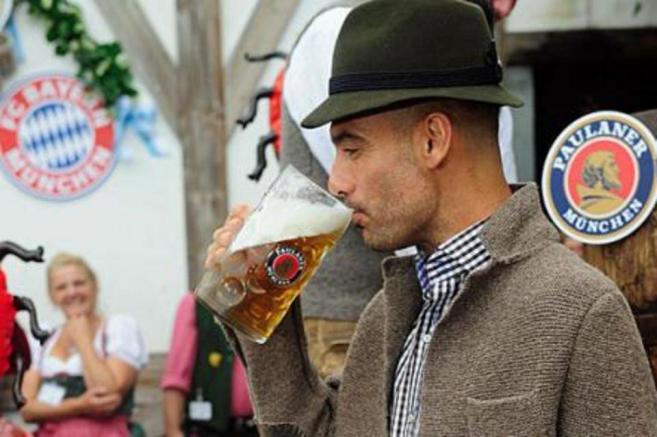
<point x="274" y="255"/>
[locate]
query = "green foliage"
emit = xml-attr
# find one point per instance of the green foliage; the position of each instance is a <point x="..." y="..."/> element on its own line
<point x="638" y="6"/>
<point x="103" y="66"/>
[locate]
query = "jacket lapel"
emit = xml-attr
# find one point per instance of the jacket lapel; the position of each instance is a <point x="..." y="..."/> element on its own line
<point x="402" y="304"/>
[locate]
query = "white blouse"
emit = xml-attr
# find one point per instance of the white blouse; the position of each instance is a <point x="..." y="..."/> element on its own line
<point x="119" y="337"/>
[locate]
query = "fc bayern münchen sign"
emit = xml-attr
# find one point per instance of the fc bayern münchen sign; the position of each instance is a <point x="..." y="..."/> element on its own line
<point x="56" y="138"/>
<point x="599" y="181"/>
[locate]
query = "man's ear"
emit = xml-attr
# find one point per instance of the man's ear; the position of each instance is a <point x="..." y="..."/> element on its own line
<point x="435" y="137"/>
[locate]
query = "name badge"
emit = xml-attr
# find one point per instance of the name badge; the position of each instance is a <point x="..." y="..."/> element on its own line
<point x="51" y="394"/>
<point x="200" y="410"/>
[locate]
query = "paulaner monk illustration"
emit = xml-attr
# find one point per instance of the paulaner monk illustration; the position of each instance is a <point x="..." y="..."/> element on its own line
<point x="601" y="175"/>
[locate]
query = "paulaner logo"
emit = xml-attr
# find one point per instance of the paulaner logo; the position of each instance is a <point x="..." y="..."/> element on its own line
<point x="284" y="265"/>
<point x="599" y="180"/>
<point x="56" y="140"/>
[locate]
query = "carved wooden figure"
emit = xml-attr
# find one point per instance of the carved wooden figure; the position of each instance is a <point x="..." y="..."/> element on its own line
<point x="14" y="349"/>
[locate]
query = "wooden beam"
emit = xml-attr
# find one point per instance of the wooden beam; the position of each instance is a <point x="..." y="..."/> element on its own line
<point x="142" y="46"/>
<point x="201" y="126"/>
<point x="262" y="34"/>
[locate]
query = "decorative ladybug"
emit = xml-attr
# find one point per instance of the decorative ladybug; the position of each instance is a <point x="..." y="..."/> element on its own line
<point x="274" y="94"/>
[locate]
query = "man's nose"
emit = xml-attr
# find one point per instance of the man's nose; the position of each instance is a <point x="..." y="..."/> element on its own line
<point x="339" y="183"/>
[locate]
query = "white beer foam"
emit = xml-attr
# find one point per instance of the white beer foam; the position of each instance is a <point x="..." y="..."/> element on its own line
<point x="284" y="219"/>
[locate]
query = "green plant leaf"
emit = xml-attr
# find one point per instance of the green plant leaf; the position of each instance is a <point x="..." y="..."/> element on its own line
<point x="638" y="6"/>
<point x="103" y="67"/>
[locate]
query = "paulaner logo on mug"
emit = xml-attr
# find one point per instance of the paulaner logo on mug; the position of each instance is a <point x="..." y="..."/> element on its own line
<point x="599" y="180"/>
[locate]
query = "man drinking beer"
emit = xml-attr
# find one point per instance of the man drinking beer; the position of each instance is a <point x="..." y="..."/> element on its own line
<point x="494" y="328"/>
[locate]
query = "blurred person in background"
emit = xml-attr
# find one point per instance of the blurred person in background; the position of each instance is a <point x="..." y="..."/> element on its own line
<point x="204" y="384"/>
<point x="81" y="382"/>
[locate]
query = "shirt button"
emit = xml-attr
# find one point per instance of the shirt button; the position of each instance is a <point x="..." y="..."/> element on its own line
<point x="426" y="338"/>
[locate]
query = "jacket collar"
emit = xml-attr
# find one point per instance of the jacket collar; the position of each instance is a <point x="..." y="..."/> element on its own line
<point x="517" y="229"/>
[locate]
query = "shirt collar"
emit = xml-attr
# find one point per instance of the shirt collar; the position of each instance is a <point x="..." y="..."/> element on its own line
<point x="455" y="258"/>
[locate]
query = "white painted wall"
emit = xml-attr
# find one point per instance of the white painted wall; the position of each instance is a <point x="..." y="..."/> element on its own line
<point x="131" y="229"/>
<point x="563" y="15"/>
<point x="161" y="15"/>
<point x="235" y="15"/>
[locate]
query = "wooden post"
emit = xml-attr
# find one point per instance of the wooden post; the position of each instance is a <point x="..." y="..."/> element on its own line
<point x="632" y="264"/>
<point x="201" y="124"/>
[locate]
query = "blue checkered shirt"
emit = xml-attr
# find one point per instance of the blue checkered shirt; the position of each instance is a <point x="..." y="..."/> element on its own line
<point x="440" y="275"/>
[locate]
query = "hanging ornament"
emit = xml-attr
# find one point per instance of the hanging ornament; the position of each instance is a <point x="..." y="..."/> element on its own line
<point x="140" y="117"/>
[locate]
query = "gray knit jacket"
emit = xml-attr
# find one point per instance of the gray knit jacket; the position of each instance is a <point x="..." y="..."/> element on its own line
<point x="350" y="274"/>
<point x="538" y="343"/>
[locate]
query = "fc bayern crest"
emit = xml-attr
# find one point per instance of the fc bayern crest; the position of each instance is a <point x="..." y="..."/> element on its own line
<point x="599" y="181"/>
<point x="56" y="139"/>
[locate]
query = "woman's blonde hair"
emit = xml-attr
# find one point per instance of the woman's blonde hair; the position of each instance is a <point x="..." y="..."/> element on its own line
<point x="64" y="259"/>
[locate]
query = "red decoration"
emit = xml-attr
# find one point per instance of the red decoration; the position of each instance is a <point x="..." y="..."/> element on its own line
<point x="7" y="314"/>
<point x="275" y="96"/>
<point x="14" y="348"/>
<point x="275" y="110"/>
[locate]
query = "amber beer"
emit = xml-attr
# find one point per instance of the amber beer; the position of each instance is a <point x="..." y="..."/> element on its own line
<point x="273" y="257"/>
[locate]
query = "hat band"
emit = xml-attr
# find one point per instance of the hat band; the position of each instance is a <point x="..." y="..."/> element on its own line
<point x="471" y="76"/>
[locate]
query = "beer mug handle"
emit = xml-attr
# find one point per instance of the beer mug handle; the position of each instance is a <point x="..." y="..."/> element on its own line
<point x="208" y="283"/>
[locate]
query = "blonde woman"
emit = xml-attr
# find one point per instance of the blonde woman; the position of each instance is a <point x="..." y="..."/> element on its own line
<point x="81" y="381"/>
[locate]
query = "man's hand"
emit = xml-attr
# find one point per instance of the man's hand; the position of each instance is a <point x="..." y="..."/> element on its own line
<point x="224" y="235"/>
<point x="98" y="401"/>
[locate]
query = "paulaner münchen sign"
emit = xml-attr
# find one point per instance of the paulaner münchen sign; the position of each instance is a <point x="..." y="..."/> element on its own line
<point x="599" y="181"/>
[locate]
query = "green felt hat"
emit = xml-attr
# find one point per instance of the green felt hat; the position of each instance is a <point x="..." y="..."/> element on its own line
<point x="390" y="51"/>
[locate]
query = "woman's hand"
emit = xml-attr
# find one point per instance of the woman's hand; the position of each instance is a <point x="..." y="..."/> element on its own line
<point x="224" y="235"/>
<point x="110" y="372"/>
<point x="98" y="401"/>
<point x="80" y="330"/>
